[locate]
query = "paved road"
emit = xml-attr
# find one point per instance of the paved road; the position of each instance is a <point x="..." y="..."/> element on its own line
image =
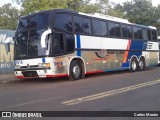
<point x="114" y="91"/>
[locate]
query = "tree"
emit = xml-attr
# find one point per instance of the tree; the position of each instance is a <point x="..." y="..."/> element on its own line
<point x="140" y="12"/>
<point x="116" y="10"/>
<point x="8" y="17"/>
<point x="31" y="6"/>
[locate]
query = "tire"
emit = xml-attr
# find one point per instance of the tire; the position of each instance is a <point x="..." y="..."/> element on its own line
<point x="142" y="65"/>
<point x="75" y="70"/>
<point x="133" y="65"/>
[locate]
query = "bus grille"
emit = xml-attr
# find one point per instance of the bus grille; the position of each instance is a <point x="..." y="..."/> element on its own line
<point x="30" y="74"/>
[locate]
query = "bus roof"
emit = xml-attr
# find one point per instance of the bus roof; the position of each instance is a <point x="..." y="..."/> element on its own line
<point x="55" y="10"/>
<point x="106" y="17"/>
<point x="95" y="15"/>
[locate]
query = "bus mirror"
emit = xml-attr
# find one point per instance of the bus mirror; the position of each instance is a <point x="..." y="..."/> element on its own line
<point x="43" y="37"/>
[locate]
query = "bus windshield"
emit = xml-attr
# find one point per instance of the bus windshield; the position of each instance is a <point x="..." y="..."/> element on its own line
<point x="28" y="36"/>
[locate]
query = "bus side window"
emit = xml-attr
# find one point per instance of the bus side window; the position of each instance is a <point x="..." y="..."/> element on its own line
<point x="63" y="22"/>
<point x="70" y="43"/>
<point x="145" y="34"/>
<point x="118" y="30"/>
<point x="154" y="35"/>
<point x="99" y="28"/>
<point x="114" y="29"/>
<point x="78" y="24"/>
<point x="82" y="25"/>
<point x="104" y="28"/>
<point x="96" y="27"/>
<point x="111" y="27"/>
<point x="139" y="33"/>
<point x="126" y="31"/>
<point x="149" y="34"/>
<point x="58" y="43"/>
<point x="135" y="32"/>
<point x="86" y="26"/>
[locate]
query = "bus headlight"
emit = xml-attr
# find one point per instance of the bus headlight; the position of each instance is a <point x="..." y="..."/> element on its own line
<point x="44" y="65"/>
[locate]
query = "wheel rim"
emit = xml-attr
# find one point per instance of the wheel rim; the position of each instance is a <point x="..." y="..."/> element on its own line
<point x="141" y="65"/>
<point x="134" y="65"/>
<point x="76" y="71"/>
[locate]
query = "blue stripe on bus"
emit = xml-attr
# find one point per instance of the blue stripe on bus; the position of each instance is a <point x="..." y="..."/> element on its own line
<point x="125" y="65"/>
<point x="78" y="45"/>
<point x="116" y="69"/>
<point x="136" y="45"/>
<point x="43" y="60"/>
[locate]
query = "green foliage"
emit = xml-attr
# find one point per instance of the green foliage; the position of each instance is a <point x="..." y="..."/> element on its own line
<point x="31" y="6"/>
<point x="8" y="17"/>
<point x="141" y="12"/>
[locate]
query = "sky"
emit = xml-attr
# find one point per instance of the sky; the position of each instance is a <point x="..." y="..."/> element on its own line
<point x="154" y="2"/>
<point x="2" y="2"/>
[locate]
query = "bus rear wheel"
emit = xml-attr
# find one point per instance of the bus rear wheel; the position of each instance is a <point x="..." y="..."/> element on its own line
<point x="142" y="65"/>
<point x="75" y="70"/>
<point x="133" y="65"/>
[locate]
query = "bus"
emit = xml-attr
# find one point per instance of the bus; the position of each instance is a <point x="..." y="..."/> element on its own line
<point x="159" y="47"/>
<point x="60" y="42"/>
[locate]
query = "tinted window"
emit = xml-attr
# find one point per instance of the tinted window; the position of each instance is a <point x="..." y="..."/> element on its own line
<point x="82" y="25"/>
<point x="126" y="31"/>
<point x="78" y="24"/>
<point x="58" y="44"/>
<point x="135" y="32"/>
<point x="104" y="28"/>
<point x="63" y="22"/>
<point x="86" y="26"/>
<point x="70" y="43"/>
<point x="145" y="34"/>
<point x="111" y="27"/>
<point x="96" y="27"/>
<point x="99" y="28"/>
<point x="23" y="24"/>
<point x="39" y="21"/>
<point x="129" y="28"/>
<point x="34" y="44"/>
<point x="149" y="34"/>
<point x="118" y="30"/>
<point x="140" y="33"/>
<point x="21" y="45"/>
<point x="154" y="35"/>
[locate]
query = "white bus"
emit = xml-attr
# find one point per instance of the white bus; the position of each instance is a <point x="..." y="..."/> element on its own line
<point x="61" y="42"/>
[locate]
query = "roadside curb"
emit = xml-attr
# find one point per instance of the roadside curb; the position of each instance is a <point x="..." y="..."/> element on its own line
<point x="7" y="78"/>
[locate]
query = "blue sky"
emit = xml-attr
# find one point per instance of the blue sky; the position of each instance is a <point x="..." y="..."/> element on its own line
<point x="7" y="1"/>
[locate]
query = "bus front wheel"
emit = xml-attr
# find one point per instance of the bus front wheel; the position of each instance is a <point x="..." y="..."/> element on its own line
<point x="75" y="70"/>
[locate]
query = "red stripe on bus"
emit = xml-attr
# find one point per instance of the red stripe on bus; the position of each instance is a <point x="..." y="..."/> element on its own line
<point x="19" y="77"/>
<point x="98" y="59"/>
<point x="126" y="53"/>
<point x="92" y="72"/>
<point x="58" y="75"/>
